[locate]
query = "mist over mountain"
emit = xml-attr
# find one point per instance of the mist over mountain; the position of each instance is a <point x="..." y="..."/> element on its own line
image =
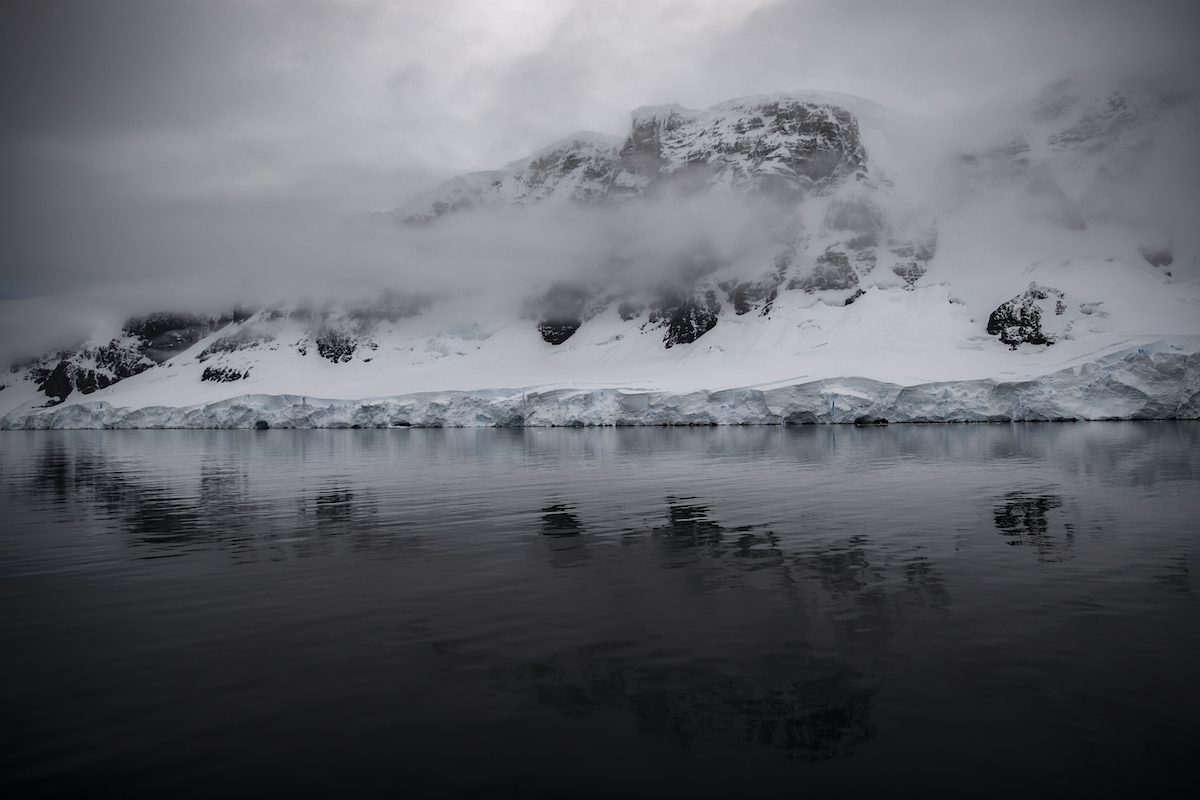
<point x="934" y="224"/>
<point x="791" y="237"/>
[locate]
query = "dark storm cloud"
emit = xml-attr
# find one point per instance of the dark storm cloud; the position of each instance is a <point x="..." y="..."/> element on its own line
<point x="164" y="148"/>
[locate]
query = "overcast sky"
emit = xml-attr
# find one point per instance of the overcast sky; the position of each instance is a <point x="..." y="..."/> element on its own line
<point x="150" y="138"/>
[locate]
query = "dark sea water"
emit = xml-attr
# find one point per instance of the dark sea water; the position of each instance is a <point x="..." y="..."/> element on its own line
<point x="973" y="610"/>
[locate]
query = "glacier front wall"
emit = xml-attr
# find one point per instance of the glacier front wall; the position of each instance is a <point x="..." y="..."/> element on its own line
<point x="1160" y="381"/>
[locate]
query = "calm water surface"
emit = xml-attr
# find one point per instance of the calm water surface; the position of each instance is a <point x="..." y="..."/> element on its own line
<point x="982" y="610"/>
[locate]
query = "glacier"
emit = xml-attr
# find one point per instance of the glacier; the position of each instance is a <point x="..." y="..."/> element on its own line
<point x="1160" y="380"/>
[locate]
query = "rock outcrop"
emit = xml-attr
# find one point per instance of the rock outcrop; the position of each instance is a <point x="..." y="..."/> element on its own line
<point x="560" y="312"/>
<point x="143" y="343"/>
<point x="1020" y="320"/>
<point x="684" y="316"/>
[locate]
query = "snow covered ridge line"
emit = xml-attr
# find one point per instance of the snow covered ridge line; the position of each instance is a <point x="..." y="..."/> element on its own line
<point x="1158" y="381"/>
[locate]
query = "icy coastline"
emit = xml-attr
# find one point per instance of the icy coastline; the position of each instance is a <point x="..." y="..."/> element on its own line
<point x="1160" y="381"/>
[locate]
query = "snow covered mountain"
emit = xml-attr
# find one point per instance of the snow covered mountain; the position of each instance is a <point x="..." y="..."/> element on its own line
<point x="876" y="268"/>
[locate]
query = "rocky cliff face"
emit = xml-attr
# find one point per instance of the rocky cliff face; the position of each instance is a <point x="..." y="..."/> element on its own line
<point x="142" y="343"/>
<point x="775" y="145"/>
<point x="778" y="146"/>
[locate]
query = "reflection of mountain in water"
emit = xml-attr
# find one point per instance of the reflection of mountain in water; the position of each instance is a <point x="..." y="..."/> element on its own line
<point x="843" y="587"/>
<point x="922" y="580"/>
<point x="690" y="529"/>
<point x="689" y="525"/>
<point x="847" y="569"/>
<point x="816" y="717"/>
<point x="217" y="508"/>
<point x="814" y="720"/>
<point x="557" y="520"/>
<point x="151" y="515"/>
<point x="334" y="505"/>
<point x="1025" y="520"/>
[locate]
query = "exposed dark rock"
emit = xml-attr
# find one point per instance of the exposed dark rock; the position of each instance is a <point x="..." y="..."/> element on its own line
<point x="223" y="374"/>
<point x="915" y="256"/>
<point x="262" y="425"/>
<point x="822" y="146"/>
<point x="561" y="312"/>
<point x="160" y="323"/>
<point x="641" y="154"/>
<point x="165" y="334"/>
<point x="150" y="339"/>
<point x="57" y="384"/>
<point x="685" y="317"/>
<point x="242" y="340"/>
<point x="867" y="419"/>
<point x="89" y="368"/>
<point x="1019" y="321"/>
<point x="119" y="359"/>
<point x="585" y="163"/>
<point x="857" y="294"/>
<point x="827" y="138"/>
<point x="335" y="345"/>
<point x="557" y="332"/>
<point x="88" y="381"/>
